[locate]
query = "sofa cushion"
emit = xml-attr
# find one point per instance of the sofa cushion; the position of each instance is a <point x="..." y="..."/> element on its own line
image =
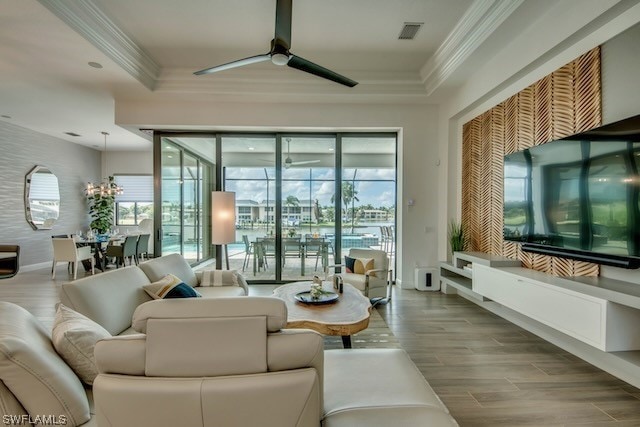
<point x="219" y="278"/>
<point x="34" y="373"/>
<point x="405" y="416"/>
<point x="170" y="287"/>
<point x="108" y="299"/>
<point x="358" y="265"/>
<point x="175" y="264"/>
<point x="350" y="385"/>
<point x="74" y="337"/>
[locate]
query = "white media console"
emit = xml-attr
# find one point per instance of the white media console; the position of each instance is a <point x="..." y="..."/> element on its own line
<point x="595" y="318"/>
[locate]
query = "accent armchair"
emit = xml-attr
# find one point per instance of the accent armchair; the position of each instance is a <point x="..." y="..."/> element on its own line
<point x="374" y="282"/>
<point x="210" y="361"/>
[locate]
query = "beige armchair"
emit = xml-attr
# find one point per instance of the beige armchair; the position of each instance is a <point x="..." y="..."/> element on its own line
<point x="373" y="283"/>
<point x="206" y="362"/>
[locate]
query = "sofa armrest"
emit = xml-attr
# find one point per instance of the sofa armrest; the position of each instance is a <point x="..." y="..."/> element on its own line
<point x="123" y="354"/>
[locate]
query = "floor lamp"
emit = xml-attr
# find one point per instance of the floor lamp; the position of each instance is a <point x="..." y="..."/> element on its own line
<point x="223" y="220"/>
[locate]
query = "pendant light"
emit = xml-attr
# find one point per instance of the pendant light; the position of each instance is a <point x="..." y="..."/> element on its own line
<point x="108" y="187"/>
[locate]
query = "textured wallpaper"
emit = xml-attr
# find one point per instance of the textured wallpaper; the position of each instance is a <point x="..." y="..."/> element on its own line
<point x="21" y="149"/>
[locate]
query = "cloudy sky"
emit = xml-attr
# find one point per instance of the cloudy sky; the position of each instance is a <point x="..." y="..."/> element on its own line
<point x="251" y="184"/>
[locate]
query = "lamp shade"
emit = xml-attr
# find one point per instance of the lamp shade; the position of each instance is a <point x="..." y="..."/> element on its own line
<point x="223" y="217"/>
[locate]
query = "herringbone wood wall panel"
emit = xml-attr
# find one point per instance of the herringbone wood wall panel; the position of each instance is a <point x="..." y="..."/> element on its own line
<point x="560" y="104"/>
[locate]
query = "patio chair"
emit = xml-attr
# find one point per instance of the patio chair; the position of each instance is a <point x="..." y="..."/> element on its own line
<point x="248" y="251"/>
<point x="313" y="247"/>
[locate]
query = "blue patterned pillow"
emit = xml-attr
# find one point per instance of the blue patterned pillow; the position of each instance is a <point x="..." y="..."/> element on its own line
<point x="170" y="287"/>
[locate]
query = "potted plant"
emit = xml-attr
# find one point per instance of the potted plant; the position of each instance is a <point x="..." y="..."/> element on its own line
<point x="456" y="236"/>
<point x="101" y="207"/>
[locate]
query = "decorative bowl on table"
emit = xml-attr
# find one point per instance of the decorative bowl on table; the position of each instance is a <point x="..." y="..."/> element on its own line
<point x="324" y="298"/>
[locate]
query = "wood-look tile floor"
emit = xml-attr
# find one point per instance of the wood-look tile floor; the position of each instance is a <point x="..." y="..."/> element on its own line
<point x="490" y="372"/>
<point x="487" y="371"/>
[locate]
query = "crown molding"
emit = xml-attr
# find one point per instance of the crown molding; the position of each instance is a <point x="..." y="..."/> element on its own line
<point x="481" y="19"/>
<point x="91" y="23"/>
<point x="382" y="87"/>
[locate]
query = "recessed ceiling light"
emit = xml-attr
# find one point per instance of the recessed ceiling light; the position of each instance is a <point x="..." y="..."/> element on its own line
<point x="252" y="148"/>
<point x="330" y="149"/>
<point x="95" y="64"/>
<point x="5" y="116"/>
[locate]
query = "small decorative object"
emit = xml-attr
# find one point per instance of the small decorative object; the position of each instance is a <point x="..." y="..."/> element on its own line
<point x="456" y="236"/>
<point x="316" y="288"/>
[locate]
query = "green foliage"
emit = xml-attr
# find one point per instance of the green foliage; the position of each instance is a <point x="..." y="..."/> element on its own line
<point x="456" y="236"/>
<point x="101" y="209"/>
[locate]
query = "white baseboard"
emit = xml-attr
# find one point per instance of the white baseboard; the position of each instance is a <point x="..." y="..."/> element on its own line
<point x="38" y="266"/>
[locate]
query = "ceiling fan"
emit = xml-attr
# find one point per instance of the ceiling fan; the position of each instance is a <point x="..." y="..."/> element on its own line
<point x="288" y="162"/>
<point x="280" y="54"/>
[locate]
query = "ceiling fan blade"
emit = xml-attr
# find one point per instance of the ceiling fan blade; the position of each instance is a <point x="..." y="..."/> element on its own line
<point x="305" y="162"/>
<point x="315" y="69"/>
<point x="235" y="64"/>
<point x="283" y="22"/>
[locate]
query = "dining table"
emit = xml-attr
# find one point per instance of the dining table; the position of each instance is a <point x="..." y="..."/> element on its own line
<point x="99" y="248"/>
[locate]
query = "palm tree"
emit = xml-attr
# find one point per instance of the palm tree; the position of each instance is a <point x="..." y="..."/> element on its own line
<point x="349" y="195"/>
<point x="292" y="201"/>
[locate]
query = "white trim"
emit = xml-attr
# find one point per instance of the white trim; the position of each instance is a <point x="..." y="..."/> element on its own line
<point x="91" y="23"/>
<point x="478" y="23"/>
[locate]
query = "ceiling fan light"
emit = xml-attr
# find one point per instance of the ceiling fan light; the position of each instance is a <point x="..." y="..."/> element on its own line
<point x="279" y="59"/>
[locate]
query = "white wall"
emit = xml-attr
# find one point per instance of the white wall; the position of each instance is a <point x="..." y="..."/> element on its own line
<point x="73" y="165"/>
<point x="418" y="151"/>
<point x="127" y="162"/>
<point x="621" y="76"/>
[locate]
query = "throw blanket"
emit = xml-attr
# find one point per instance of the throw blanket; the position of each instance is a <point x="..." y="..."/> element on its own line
<point x="219" y="278"/>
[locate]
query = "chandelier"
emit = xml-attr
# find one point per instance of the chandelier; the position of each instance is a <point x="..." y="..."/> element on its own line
<point x="107" y="187"/>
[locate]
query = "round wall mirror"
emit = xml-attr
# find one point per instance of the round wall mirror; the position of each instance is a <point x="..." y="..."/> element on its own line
<point x="41" y="198"/>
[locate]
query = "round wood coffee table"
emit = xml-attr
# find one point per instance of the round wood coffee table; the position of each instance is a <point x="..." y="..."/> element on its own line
<point x="345" y="317"/>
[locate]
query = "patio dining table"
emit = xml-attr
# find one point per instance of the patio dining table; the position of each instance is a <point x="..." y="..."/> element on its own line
<point x="260" y="253"/>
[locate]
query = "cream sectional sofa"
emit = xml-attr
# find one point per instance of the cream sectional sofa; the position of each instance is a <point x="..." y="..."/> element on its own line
<point x="203" y="362"/>
<point x="110" y="298"/>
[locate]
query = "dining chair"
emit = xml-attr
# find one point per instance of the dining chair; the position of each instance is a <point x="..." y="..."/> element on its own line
<point x="123" y="251"/>
<point x="9" y="261"/>
<point x="142" y="247"/>
<point x="65" y="250"/>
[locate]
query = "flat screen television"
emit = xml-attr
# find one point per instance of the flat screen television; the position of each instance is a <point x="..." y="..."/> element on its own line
<point x="578" y="197"/>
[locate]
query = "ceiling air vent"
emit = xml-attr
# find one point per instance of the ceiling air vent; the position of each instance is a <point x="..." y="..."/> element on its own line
<point x="410" y="30"/>
<point x="72" y="134"/>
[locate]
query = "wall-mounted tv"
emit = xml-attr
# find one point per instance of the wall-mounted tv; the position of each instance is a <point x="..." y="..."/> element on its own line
<point x="578" y="197"/>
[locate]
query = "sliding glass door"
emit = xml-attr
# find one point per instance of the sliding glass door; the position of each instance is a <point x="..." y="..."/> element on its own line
<point x="186" y="186"/>
<point x="302" y="200"/>
<point x="249" y="170"/>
